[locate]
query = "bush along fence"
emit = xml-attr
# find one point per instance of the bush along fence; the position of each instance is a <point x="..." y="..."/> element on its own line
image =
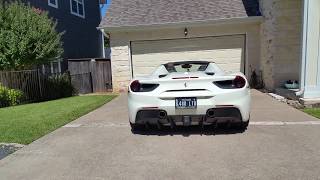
<point x="10" y="97"/>
<point x="33" y="86"/>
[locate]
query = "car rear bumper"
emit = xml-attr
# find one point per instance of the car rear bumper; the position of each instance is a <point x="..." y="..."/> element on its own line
<point x="233" y="106"/>
<point x="213" y="116"/>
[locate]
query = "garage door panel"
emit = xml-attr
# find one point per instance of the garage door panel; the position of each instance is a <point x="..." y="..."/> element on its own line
<point x="208" y="43"/>
<point x="227" y="52"/>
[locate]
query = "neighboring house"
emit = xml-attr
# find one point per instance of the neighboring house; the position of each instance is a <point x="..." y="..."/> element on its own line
<point x="79" y="20"/>
<point x="104" y="4"/>
<point x="239" y="35"/>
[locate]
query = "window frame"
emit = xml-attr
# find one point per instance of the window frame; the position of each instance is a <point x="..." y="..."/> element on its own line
<point x="53" y="5"/>
<point x="77" y="13"/>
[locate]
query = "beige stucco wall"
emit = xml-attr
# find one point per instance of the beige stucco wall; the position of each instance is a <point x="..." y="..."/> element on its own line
<point x="281" y="41"/>
<point x="120" y="45"/>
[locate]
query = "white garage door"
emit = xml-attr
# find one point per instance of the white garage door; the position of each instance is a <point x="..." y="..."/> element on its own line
<point x="227" y="51"/>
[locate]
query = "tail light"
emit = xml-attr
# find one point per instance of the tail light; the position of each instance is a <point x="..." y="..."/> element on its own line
<point x="237" y="82"/>
<point x="136" y="86"/>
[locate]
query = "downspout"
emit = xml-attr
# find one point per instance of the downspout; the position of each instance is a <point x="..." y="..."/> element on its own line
<point x="304" y="49"/>
<point x="106" y="35"/>
<point x="103" y="32"/>
<point x="103" y="48"/>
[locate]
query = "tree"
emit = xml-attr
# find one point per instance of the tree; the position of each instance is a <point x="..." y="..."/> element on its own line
<point x="28" y="37"/>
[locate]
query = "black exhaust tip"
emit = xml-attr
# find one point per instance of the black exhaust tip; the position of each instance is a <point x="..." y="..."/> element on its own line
<point x="210" y="113"/>
<point x="162" y="115"/>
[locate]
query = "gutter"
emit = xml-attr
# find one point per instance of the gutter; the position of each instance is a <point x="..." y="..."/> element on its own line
<point x="304" y="48"/>
<point x="241" y="20"/>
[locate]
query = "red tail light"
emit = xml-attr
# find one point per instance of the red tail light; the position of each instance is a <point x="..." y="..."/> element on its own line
<point x="239" y="82"/>
<point x="135" y="86"/>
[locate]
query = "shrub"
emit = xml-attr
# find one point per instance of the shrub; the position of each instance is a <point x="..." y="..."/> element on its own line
<point x="10" y="97"/>
<point x="28" y="37"/>
<point x="58" y="86"/>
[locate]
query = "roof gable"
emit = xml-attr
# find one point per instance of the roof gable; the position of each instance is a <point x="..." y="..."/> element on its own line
<point x="152" y="12"/>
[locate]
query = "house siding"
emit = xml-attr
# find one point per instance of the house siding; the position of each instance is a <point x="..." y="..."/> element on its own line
<point x="281" y="35"/>
<point x="81" y="39"/>
<point x="120" y="46"/>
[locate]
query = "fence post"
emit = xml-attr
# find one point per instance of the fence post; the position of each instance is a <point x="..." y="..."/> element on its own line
<point x="39" y="82"/>
<point x="91" y="82"/>
<point x="93" y="76"/>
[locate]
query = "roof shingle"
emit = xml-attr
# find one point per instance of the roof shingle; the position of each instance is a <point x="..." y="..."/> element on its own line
<point x="152" y="12"/>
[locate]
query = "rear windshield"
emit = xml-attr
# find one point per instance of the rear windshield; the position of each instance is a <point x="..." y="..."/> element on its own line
<point x="188" y="67"/>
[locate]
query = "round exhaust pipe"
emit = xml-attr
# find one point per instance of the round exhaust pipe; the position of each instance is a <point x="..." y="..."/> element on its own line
<point x="162" y="114"/>
<point x="210" y="113"/>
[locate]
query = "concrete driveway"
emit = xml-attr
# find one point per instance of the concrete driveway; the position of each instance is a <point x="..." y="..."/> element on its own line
<point x="280" y="143"/>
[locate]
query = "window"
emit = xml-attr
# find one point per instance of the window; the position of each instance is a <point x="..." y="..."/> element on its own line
<point x="52" y="68"/>
<point x="53" y="3"/>
<point x="186" y="66"/>
<point x="77" y="8"/>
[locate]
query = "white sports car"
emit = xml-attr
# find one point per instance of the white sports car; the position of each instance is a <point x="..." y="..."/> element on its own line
<point x="189" y="93"/>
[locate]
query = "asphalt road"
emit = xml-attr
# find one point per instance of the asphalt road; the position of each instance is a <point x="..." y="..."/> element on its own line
<point x="281" y="143"/>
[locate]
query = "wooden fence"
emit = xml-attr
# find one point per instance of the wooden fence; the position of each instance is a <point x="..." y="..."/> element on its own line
<point x="37" y="86"/>
<point x="82" y="83"/>
<point x="90" y="75"/>
<point x="27" y="81"/>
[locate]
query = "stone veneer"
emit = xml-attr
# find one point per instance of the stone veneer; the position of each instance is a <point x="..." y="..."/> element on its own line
<point x="280" y="41"/>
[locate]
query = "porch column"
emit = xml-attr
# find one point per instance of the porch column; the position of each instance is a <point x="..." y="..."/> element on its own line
<point x="310" y="63"/>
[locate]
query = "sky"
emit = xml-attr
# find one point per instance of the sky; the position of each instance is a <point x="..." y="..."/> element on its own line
<point x="104" y="8"/>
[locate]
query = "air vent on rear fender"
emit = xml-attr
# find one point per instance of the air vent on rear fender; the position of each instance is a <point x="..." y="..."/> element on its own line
<point x="210" y="73"/>
<point x="161" y="76"/>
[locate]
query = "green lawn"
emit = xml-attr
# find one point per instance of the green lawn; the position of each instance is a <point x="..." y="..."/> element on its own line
<point x="26" y="123"/>
<point x="313" y="112"/>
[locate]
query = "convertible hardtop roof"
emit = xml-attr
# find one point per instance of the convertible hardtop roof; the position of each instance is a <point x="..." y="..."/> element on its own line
<point x="187" y="62"/>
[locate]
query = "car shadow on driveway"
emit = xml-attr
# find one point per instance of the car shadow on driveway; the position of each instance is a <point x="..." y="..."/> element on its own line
<point x="188" y="131"/>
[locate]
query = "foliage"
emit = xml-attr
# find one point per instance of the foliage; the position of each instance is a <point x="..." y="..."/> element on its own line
<point x="27" y="37"/>
<point x="10" y="97"/>
<point x="313" y="112"/>
<point x="26" y="123"/>
<point x="256" y="81"/>
<point x="106" y="42"/>
<point x="58" y="86"/>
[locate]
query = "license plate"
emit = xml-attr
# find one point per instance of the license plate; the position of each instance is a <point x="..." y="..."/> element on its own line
<point x="186" y="103"/>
